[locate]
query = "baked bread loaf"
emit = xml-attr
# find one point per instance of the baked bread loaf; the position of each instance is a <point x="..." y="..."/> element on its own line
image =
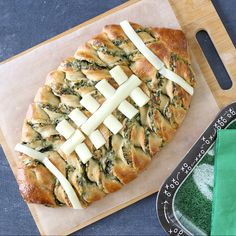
<point x="129" y="151"/>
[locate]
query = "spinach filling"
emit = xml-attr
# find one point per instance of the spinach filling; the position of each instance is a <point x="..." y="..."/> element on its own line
<point x="166" y="112"/>
<point x="83" y="83"/>
<point x="46" y="149"/>
<point x="108" y="168"/>
<point x="146" y="143"/>
<point x="106" y="162"/>
<point x="151" y="120"/>
<point x="49" y="107"/>
<point x="126" y="129"/>
<point x="105" y="50"/>
<point x="126" y="154"/>
<point x="174" y="58"/>
<point x="160" y="80"/>
<point x="58" y="202"/>
<point x="131" y="55"/>
<point x="69" y="169"/>
<point x="65" y="109"/>
<point x="66" y="91"/>
<point x="79" y="65"/>
<point x="119" y="42"/>
<point x="139" y="30"/>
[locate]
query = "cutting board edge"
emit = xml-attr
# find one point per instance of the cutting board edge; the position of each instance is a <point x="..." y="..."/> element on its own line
<point x="195" y="16"/>
<point x="112" y="210"/>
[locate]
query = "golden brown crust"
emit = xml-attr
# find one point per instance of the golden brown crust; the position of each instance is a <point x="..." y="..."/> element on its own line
<point x="125" y="154"/>
<point x="93" y="194"/>
<point x="144" y="69"/>
<point x="36" y="115"/>
<point x="36" y="184"/>
<point x="137" y="136"/>
<point x="139" y="159"/>
<point x="155" y="143"/>
<point x="55" y="80"/>
<point x="110" y="185"/>
<point x="28" y="133"/>
<point x="124" y="172"/>
<point x="45" y="96"/>
<point x="174" y="40"/>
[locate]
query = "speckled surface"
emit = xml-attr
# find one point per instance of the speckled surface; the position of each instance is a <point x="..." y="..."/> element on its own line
<point x="27" y="23"/>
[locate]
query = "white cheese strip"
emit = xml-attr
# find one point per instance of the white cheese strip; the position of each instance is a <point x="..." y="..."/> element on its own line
<point x="113" y="124"/>
<point x="83" y="152"/>
<point x="177" y="79"/>
<point x="110" y="104"/>
<point x="118" y="75"/>
<point x="78" y="117"/>
<point x="140" y="45"/>
<point x="153" y="59"/>
<point x="127" y="109"/>
<point x="97" y="139"/>
<point x="30" y="152"/>
<point x="65" y="129"/>
<point x="69" y="145"/>
<point x="139" y="97"/>
<point x="63" y="181"/>
<point x="89" y="103"/>
<point x="105" y="88"/>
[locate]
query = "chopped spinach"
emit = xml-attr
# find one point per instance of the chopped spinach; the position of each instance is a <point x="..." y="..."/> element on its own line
<point x="118" y="42"/>
<point x="64" y="108"/>
<point x="147" y="134"/>
<point x="125" y="151"/>
<point x="106" y="162"/>
<point x="69" y="169"/>
<point x="46" y="149"/>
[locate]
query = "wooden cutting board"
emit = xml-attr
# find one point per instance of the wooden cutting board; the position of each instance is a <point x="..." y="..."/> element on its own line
<point x="23" y="74"/>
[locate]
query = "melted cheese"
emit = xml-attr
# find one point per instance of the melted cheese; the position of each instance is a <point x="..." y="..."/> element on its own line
<point x="70" y="144"/>
<point x="30" y="152"/>
<point x="97" y="139"/>
<point x="78" y="117"/>
<point x="83" y="152"/>
<point x="127" y="109"/>
<point x="139" y="97"/>
<point x="118" y="75"/>
<point x="65" y="129"/>
<point x="89" y="103"/>
<point x="105" y="88"/>
<point x="113" y="124"/>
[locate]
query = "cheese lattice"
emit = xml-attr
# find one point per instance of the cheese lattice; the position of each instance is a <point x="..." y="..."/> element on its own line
<point x="102" y="114"/>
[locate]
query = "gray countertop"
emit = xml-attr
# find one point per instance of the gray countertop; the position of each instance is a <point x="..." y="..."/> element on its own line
<point x="27" y="23"/>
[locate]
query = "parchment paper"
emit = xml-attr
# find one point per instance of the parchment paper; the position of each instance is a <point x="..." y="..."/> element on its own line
<point x="21" y="78"/>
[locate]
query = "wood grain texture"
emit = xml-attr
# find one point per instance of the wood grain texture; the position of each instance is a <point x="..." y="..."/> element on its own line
<point x="186" y="12"/>
<point x="196" y="15"/>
